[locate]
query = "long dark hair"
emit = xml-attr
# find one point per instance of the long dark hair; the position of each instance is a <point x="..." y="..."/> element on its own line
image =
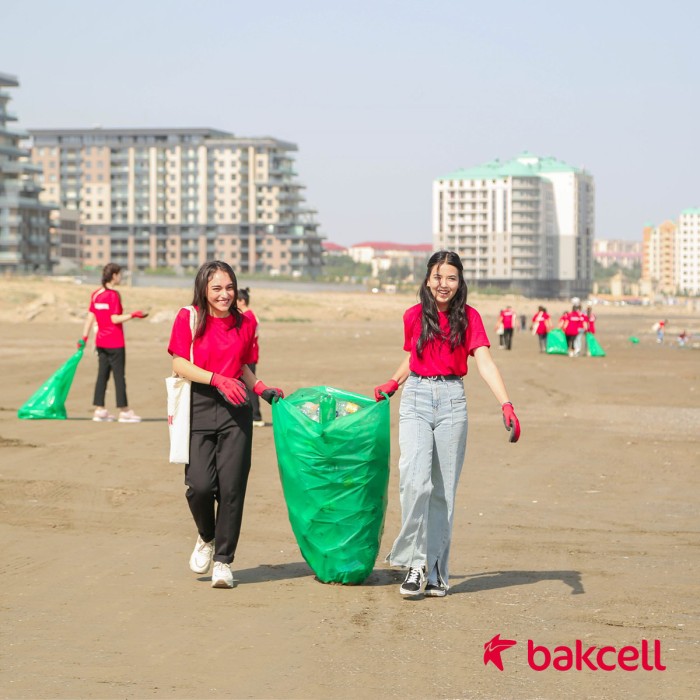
<point x="456" y="312"/>
<point x="199" y="299"/>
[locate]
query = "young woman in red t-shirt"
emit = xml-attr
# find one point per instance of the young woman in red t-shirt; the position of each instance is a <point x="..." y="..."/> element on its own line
<point x="221" y="424"/>
<point x="106" y="312"/>
<point x="440" y="334"/>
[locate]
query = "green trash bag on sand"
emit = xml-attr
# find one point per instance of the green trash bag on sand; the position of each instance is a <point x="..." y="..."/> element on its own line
<point x="594" y="349"/>
<point x="49" y="401"/>
<point x="556" y="342"/>
<point x="334" y="474"/>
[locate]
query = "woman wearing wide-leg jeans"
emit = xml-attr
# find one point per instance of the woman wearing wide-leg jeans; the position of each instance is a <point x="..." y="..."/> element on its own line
<point x="441" y="333"/>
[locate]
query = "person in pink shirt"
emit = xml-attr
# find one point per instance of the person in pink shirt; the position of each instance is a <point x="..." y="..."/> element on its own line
<point x="507" y="320"/>
<point x="541" y="325"/>
<point x="441" y="333"/>
<point x="107" y="314"/>
<point x="572" y="323"/>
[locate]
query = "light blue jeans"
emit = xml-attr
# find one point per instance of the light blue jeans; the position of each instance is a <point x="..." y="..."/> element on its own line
<point x="433" y="441"/>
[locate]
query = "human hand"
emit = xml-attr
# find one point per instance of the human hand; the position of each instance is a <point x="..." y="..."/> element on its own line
<point x="268" y="393"/>
<point x="139" y="314"/>
<point x="390" y="388"/>
<point x="233" y="390"/>
<point x="510" y="420"/>
<point x="81" y="343"/>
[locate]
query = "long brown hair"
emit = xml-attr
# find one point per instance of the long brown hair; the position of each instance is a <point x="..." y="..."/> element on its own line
<point x="456" y="312"/>
<point x="199" y="299"/>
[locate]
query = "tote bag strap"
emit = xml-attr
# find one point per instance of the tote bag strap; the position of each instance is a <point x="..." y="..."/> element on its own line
<point x="193" y="316"/>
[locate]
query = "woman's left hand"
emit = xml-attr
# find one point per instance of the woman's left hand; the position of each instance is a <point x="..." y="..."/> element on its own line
<point x="268" y="393"/>
<point x="510" y="420"/>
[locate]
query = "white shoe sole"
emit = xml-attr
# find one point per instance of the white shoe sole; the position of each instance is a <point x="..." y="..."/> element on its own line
<point x="221" y="583"/>
<point x="129" y="420"/>
<point x="435" y="593"/>
<point x="199" y="570"/>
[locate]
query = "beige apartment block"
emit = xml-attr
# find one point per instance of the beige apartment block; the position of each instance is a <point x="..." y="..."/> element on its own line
<point x="659" y="258"/>
<point x="175" y="198"/>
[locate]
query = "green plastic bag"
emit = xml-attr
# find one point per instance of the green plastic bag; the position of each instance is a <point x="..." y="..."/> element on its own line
<point x="335" y="475"/>
<point x="49" y="401"/>
<point x="556" y="342"/>
<point x="594" y="349"/>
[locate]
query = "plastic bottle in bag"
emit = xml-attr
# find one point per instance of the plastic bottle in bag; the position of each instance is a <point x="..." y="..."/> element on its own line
<point x="345" y="408"/>
<point x="326" y="408"/>
<point x="310" y="410"/>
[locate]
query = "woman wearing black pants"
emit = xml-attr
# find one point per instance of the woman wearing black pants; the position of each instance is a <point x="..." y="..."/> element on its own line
<point x="221" y="424"/>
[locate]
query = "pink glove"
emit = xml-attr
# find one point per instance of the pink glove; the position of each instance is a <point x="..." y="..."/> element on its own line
<point x="390" y="388"/>
<point x="139" y="314"/>
<point x="267" y="393"/>
<point x="81" y="343"/>
<point x="233" y="390"/>
<point x="510" y="420"/>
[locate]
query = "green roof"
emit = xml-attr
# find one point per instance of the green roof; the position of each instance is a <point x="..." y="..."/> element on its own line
<point x="691" y="211"/>
<point x="524" y="165"/>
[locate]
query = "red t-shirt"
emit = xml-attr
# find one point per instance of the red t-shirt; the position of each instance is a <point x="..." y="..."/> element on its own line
<point x="507" y="318"/>
<point x="438" y="358"/>
<point x="256" y="350"/>
<point x="573" y="322"/>
<point x="222" y="348"/>
<point x="105" y="303"/>
<point x="540" y="319"/>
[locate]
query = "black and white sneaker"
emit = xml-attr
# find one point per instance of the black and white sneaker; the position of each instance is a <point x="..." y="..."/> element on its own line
<point x="435" y="590"/>
<point x="414" y="583"/>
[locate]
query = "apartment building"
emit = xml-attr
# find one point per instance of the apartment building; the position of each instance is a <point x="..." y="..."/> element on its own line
<point x="688" y="252"/>
<point x="625" y="254"/>
<point x="525" y="225"/>
<point x="659" y="258"/>
<point x="24" y="220"/>
<point x="384" y="256"/>
<point x="174" y="198"/>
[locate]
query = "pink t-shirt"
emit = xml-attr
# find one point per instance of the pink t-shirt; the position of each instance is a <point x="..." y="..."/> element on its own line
<point x="539" y="320"/>
<point x="222" y="348"/>
<point x="507" y="318"/>
<point x="438" y="358"/>
<point x="105" y="303"/>
<point x="575" y="321"/>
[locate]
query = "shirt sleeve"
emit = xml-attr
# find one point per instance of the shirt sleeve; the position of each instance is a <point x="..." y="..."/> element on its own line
<point x="476" y="333"/>
<point x="410" y="318"/>
<point x="248" y="337"/>
<point x="181" y="336"/>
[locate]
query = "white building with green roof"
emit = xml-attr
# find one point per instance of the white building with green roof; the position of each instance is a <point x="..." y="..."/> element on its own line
<point x="688" y="252"/>
<point x="524" y="225"/>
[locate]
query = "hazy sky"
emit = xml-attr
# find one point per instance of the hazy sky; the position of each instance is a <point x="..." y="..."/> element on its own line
<point x="384" y="97"/>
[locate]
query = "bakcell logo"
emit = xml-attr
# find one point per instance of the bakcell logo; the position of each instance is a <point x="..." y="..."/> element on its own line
<point x="646" y="656"/>
<point x="493" y="649"/>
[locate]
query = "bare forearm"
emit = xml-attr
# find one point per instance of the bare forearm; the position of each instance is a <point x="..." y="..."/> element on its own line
<point x="188" y="370"/>
<point x="490" y="374"/>
<point x="89" y="322"/>
<point x="402" y="371"/>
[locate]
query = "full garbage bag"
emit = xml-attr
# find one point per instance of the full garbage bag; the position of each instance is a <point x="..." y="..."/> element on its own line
<point x="49" y="401"/>
<point x="335" y="473"/>
<point x="556" y="342"/>
<point x="594" y="348"/>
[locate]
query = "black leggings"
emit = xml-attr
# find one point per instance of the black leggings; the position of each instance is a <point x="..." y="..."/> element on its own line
<point x="111" y="360"/>
<point x="220" y="454"/>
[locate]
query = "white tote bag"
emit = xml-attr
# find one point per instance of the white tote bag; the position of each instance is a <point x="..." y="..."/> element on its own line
<point x="179" y="402"/>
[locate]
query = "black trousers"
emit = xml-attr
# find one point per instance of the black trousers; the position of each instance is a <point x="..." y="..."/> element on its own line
<point x="508" y="337"/>
<point x="254" y="398"/>
<point x="111" y="360"/>
<point x="217" y="474"/>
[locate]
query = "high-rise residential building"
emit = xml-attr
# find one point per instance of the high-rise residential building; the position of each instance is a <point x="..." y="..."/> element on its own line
<point x="688" y="252"/>
<point x="525" y="225"/>
<point x="625" y="254"/>
<point x="174" y="198"/>
<point x="24" y="220"/>
<point x="659" y="258"/>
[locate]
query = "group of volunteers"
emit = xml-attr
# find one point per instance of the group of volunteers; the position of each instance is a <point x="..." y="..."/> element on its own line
<point x="574" y="323"/>
<point x="441" y="333"/>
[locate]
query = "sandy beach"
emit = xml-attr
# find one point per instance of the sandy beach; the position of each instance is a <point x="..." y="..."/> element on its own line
<point x="587" y="529"/>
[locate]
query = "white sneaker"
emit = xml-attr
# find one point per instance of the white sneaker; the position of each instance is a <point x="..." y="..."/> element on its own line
<point x="200" y="561"/>
<point x="222" y="576"/>
<point x="129" y="417"/>
<point x="102" y="415"/>
<point x="259" y="423"/>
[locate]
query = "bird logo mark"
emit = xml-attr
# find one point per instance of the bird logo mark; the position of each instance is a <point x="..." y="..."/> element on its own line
<point x="493" y="649"/>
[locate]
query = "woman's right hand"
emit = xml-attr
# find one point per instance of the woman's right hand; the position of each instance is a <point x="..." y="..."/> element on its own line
<point x="389" y="388"/>
<point x="233" y="390"/>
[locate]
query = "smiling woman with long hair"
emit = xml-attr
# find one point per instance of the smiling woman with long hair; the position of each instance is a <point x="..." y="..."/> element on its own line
<point x="221" y="424"/>
<point x="440" y="334"/>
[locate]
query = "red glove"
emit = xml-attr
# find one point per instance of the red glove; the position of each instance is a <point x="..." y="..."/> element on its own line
<point x="81" y="342"/>
<point x="233" y="390"/>
<point x="510" y="420"/>
<point x="139" y="314"/>
<point x="267" y="393"/>
<point x="390" y="388"/>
